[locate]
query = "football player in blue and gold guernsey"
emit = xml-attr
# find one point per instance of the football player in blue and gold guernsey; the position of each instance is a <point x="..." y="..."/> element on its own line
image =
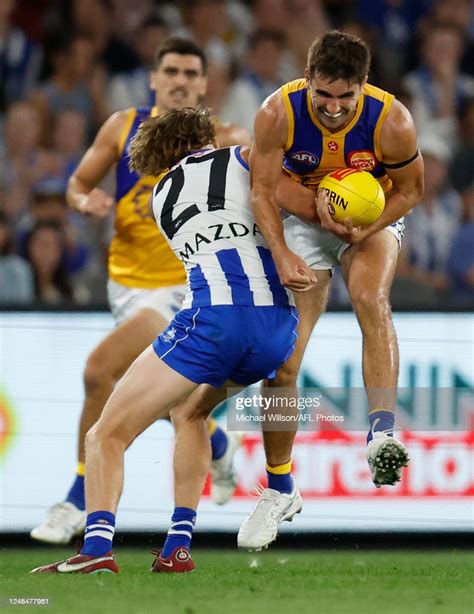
<point x="146" y="280"/>
<point x="333" y="119"/>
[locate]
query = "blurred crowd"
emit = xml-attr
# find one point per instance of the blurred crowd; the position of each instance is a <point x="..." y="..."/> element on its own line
<point x="65" y="65"/>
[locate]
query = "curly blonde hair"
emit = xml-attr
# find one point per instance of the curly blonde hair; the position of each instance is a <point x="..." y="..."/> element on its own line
<point x="161" y="142"/>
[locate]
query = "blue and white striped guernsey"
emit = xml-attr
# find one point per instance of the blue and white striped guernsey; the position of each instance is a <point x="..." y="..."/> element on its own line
<point x="202" y="207"/>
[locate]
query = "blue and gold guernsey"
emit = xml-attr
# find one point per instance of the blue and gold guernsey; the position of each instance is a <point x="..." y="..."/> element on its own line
<point x="139" y="257"/>
<point x="312" y="151"/>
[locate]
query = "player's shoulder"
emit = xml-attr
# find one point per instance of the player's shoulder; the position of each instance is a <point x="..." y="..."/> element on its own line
<point x="398" y="139"/>
<point x="291" y="87"/>
<point x="273" y="108"/>
<point x="277" y="99"/>
<point x="398" y="122"/>
<point x="377" y="92"/>
<point x="229" y="134"/>
<point x="114" y="126"/>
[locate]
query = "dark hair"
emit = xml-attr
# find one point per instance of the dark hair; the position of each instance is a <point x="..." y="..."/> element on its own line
<point x="182" y="46"/>
<point x="161" y="142"/>
<point x="60" y="278"/>
<point x="338" y="55"/>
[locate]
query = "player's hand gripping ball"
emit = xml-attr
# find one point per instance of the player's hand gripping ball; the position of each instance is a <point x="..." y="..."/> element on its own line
<point x="354" y="194"/>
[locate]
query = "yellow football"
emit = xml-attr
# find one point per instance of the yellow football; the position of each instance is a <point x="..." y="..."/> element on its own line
<point x="355" y="194"/>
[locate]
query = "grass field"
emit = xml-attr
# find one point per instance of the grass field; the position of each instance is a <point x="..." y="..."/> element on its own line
<point x="229" y="582"/>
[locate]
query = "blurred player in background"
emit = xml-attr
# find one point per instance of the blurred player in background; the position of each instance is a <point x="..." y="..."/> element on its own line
<point x="331" y="120"/>
<point x="146" y="284"/>
<point x="237" y="325"/>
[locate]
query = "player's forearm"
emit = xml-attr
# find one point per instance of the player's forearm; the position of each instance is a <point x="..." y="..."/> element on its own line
<point x="77" y="191"/>
<point x="296" y="199"/>
<point x="267" y="216"/>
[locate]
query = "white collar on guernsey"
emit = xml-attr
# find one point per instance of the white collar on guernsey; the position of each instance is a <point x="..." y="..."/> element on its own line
<point x="199" y="152"/>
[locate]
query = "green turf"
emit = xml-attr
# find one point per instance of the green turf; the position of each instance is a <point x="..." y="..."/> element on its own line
<point x="229" y="582"/>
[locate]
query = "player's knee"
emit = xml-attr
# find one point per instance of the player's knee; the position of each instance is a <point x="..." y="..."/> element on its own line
<point x="371" y="305"/>
<point x="286" y="377"/>
<point x="100" y="437"/>
<point x="183" y="415"/>
<point x="179" y="417"/>
<point x="92" y="439"/>
<point x="97" y="372"/>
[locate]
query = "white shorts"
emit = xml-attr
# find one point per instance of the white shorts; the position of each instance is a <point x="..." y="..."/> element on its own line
<point x="125" y="302"/>
<point x="319" y="248"/>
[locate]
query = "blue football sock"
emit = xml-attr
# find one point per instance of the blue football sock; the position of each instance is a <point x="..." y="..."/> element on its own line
<point x="181" y="530"/>
<point x="99" y="533"/>
<point x="77" y="494"/>
<point x="219" y="443"/>
<point x="381" y="420"/>
<point x="279" y="478"/>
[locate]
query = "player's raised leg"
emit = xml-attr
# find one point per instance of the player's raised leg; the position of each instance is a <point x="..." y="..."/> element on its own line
<point x="369" y="269"/>
<point x="147" y="392"/>
<point x="281" y="500"/>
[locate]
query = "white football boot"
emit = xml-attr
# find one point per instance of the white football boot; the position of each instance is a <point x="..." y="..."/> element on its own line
<point x="261" y="528"/>
<point x="224" y="479"/>
<point x="386" y="457"/>
<point x="63" y="521"/>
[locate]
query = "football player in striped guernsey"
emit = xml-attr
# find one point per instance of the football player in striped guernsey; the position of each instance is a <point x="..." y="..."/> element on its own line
<point x="146" y="280"/>
<point x="237" y="326"/>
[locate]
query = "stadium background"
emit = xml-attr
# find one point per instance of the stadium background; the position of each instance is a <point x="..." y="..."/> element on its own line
<point x="423" y="51"/>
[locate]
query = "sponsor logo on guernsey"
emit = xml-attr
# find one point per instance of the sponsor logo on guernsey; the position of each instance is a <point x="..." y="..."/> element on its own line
<point x="362" y="160"/>
<point x="217" y="232"/>
<point x="306" y="158"/>
<point x="333" y="146"/>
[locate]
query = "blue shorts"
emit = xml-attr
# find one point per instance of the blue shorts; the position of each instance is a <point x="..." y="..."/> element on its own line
<point x="244" y="344"/>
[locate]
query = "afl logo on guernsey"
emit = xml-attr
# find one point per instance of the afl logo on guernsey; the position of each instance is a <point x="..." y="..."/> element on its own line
<point x="362" y="160"/>
<point x="306" y="159"/>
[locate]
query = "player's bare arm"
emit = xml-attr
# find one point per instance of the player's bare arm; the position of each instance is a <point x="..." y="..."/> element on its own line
<point x="231" y="134"/>
<point x="292" y="196"/>
<point x="270" y="134"/>
<point x="404" y="166"/>
<point x="297" y="199"/>
<point x="83" y="193"/>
